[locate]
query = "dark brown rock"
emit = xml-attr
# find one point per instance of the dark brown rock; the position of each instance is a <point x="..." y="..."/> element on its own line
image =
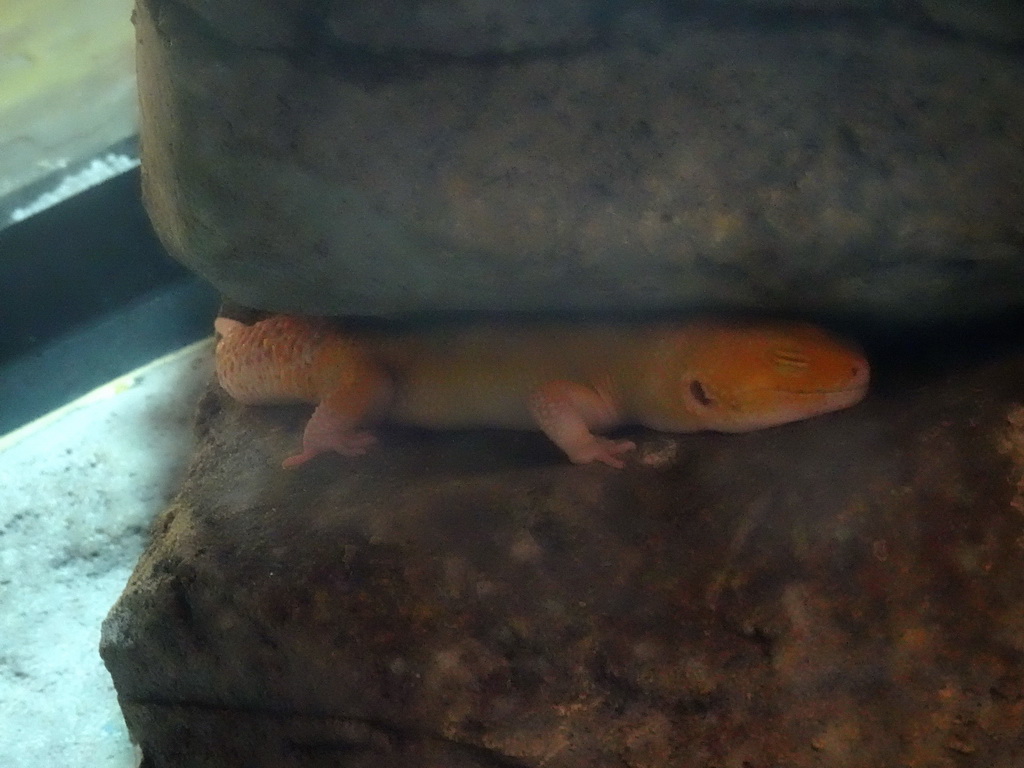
<point x="845" y="591"/>
<point x="822" y="160"/>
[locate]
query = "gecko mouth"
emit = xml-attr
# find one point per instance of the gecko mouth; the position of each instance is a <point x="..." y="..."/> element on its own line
<point x="807" y="403"/>
<point x="828" y="400"/>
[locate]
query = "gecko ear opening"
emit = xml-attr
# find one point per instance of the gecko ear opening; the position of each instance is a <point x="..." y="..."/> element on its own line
<point x="700" y="394"/>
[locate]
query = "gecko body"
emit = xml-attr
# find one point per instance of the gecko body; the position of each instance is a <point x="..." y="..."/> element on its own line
<point x="568" y="381"/>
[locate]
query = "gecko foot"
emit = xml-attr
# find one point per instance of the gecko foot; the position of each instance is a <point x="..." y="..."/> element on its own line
<point x="601" y="449"/>
<point x="354" y="443"/>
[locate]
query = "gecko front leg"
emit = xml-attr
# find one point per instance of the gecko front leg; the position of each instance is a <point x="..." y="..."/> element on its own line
<point x="567" y="412"/>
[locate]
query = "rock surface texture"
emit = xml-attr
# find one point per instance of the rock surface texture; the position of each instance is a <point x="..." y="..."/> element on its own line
<point x="845" y="591"/>
<point x="410" y="156"/>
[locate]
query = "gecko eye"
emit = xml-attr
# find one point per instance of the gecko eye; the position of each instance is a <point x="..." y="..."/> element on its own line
<point x="700" y="394"/>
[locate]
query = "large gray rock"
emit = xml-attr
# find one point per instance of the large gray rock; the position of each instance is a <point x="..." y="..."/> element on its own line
<point x="845" y="591"/>
<point x="541" y="156"/>
<point x="988" y="20"/>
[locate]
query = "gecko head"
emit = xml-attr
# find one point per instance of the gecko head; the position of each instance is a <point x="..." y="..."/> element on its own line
<point x="742" y="377"/>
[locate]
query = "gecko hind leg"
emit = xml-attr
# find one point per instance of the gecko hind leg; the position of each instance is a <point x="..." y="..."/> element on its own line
<point x="567" y="412"/>
<point x="333" y="425"/>
<point x="330" y="431"/>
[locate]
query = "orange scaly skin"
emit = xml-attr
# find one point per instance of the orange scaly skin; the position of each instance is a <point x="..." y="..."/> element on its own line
<point x="566" y="380"/>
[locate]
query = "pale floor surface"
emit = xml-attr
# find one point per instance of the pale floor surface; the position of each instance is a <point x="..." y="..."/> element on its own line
<point x="78" y="491"/>
<point x="67" y="84"/>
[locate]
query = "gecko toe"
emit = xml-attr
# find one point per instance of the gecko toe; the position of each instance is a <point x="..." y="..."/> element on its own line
<point x="602" y="450"/>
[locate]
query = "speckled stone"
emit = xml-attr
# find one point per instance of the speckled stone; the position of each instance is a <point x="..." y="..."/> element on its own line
<point x="550" y="157"/>
<point x="844" y="591"/>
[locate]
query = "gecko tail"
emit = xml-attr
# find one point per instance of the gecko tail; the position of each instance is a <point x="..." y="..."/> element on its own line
<point x="225" y="326"/>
